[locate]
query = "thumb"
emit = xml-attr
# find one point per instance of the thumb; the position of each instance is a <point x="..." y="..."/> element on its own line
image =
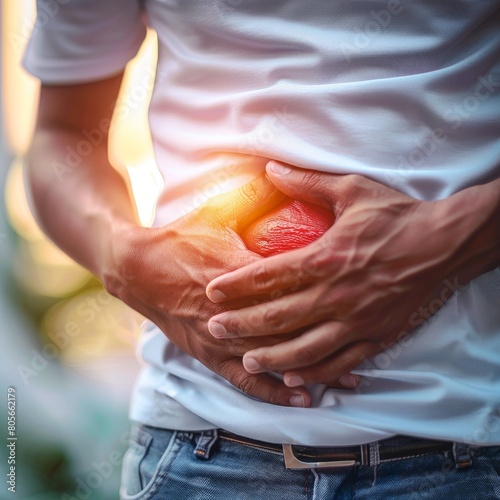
<point x="330" y="191"/>
<point x="237" y="209"/>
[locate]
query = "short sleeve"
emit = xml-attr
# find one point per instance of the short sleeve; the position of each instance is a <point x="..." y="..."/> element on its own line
<point x="76" y="41"/>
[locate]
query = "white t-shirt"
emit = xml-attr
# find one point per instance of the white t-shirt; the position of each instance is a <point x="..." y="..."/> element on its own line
<point x="406" y="93"/>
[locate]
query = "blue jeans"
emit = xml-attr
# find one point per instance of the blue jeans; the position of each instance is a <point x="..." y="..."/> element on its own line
<point x="174" y="465"/>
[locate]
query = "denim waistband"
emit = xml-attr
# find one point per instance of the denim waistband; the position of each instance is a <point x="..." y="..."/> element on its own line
<point x="395" y="448"/>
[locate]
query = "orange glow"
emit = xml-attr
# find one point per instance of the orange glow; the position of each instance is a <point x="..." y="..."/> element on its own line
<point x="130" y="146"/>
<point x="16" y="204"/>
<point x="130" y="141"/>
<point x="20" y="90"/>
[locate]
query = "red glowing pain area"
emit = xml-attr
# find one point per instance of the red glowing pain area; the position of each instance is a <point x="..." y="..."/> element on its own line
<point x="292" y="224"/>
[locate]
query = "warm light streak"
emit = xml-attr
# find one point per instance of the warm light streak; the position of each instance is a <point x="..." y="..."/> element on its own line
<point x="131" y="147"/>
<point x="20" y="90"/>
<point x="147" y="184"/>
<point x="130" y="142"/>
<point x="18" y="212"/>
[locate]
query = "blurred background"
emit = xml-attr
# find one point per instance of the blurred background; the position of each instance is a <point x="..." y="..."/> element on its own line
<point x="67" y="347"/>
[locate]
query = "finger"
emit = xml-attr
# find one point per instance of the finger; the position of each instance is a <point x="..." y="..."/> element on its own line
<point x="334" y="369"/>
<point x="332" y="191"/>
<point x="239" y="208"/>
<point x="305" y="350"/>
<point x="282" y="315"/>
<point x="263" y="386"/>
<point x="347" y="381"/>
<point x="269" y="276"/>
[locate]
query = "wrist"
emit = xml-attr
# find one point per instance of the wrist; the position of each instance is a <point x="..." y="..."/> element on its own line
<point x="121" y="256"/>
<point x="473" y="219"/>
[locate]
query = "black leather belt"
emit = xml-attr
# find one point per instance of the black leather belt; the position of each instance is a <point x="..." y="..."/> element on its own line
<point x="305" y="457"/>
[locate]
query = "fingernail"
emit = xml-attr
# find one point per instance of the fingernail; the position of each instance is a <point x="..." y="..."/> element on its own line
<point x="278" y="168"/>
<point x="217" y="330"/>
<point x="216" y="296"/>
<point x="251" y="365"/>
<point x="349" y="381"/>
<point x="293" y="380"/>
<point x="298" y="401"/>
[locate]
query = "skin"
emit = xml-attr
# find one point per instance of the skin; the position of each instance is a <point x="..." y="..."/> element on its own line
<point x="372" y="277"/>
<point x="340" y="299"/>
<point x="162" y="272"/>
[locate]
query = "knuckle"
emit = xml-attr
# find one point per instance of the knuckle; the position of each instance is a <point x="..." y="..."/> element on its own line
<point x="219" y="364"/>
<point x="276" y="294"/>
<point x="355" y="184"/>
<point x="318" y="261"/>
<point x="229" y="370"/>
<point x="264" y="358"/>
<point x="307" y="355"/>
<point x="233" y="326"/>
<point x="292" y="279"/>
<point x="255" y="320"/>
<point x="272" y="318"/>
<point x="261" y="277"/>
<point x="235" y="346"/>
<point x="248" y="384"/>
<point x="274" y="398"/>
<point x="249" y="193"/>
<point x="354" y="357"/>
<point x="322" y="373"/>
<point x="348" y="363"/>
<point x="312" y="180"/>
<point x="330" y="302"/>
<point x="353" y="181"/>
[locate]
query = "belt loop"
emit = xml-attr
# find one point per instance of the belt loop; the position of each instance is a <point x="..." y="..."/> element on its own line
<point x="365" y="454"/>
<point x="205" y="442"/>
<point x="374" y="453"/>
<point x="462" y="455"/>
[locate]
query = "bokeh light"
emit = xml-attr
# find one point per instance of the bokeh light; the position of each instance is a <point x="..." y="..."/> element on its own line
<point x="39" y="267"/>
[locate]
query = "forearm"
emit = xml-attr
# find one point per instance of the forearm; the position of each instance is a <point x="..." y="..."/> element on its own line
<point x="470" y="220"/>
<point x="82" y="209"/>
<point x="365" y="281"/>
<point x="161" y="272"/>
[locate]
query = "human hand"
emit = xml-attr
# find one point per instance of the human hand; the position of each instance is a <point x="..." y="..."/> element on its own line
<point x="355" y="290"/>
<point x="163" y="273"/>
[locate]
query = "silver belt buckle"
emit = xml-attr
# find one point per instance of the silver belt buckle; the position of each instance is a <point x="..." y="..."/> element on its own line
<point x="292" y="462"/>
